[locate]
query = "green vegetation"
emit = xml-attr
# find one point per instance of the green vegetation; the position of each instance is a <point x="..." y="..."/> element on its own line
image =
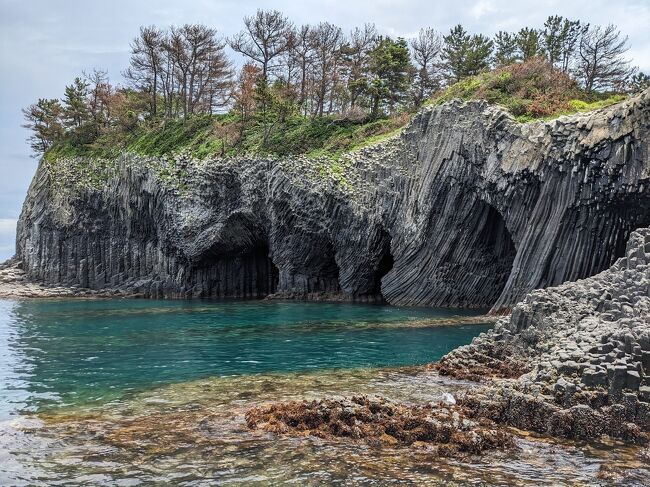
<point x="225" y="135"/>
<point x="315" y="91"/>
<point x="529" y="90"/>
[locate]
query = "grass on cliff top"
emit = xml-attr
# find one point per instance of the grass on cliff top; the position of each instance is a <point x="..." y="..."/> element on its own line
<point x="226" y="135"/>
<point x="532" y="90"/>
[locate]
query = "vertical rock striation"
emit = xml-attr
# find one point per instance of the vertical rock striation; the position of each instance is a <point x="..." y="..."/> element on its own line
<point x="466" y="207"/>
<point x="582" y="351"/>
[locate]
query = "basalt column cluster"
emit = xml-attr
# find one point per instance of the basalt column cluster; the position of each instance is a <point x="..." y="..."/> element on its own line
<point x="465" y="208"/>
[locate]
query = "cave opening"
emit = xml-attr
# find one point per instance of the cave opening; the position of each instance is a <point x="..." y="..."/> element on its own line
<point x="265" y="274"/>
<point x="476" y="267"/>
<point x="495" y="240"/>
<point x="247" y="273"/>
<point x="497" y="252"/>
<point x="322" y="271"/>
<point x="384" y="266"/>
<point x="595" y="236"/>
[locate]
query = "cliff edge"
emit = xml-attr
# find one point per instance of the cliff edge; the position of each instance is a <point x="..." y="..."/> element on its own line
<point x="464" y="208"/>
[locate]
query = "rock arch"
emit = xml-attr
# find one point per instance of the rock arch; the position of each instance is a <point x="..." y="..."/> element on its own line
<point x="235" y="263"/>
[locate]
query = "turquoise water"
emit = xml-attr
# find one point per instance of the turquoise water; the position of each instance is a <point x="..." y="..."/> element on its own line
<point x="134" y="392"/>
<point x="72" y="352"/>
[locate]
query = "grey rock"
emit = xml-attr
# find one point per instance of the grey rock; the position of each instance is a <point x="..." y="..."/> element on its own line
<point x="465" y="208"/>
<point x="632" y="380"/>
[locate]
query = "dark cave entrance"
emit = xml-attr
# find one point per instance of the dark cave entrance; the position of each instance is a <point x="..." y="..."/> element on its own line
<point x="322" y="271"/>
<point x="481" y="261"/>
<point x="384" y="266"/>
<point x="265" y="275"/>
<point x="245" y="274"/>
<point x="593" y="237"/>
<point x="494" y="238"/>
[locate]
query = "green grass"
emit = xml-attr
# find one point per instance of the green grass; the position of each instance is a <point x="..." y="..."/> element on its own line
<point x="225" y="135"/>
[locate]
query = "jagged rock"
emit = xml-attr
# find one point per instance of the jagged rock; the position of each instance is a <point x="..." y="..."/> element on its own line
<point x="546" y="330"/>
<point x="441" y="427"/>
<point x="465" y="208"/>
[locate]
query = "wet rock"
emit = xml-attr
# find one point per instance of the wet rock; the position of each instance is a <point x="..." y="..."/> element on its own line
<point x="442" y="427"/>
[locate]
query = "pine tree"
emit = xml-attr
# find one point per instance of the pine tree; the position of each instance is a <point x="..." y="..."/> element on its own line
<point x="529" y="43"/>
<point x="505" y="48"/>
<point x="44" y="120"/>
<point x="427" y="47"/>
<point x="75" y="108"/>
<point x="390" y="63"/>
<point x="602" y="64"/>
<point x="559" y="40"/>
<point x="466" y="55"/>
<point x="639" y="82"/>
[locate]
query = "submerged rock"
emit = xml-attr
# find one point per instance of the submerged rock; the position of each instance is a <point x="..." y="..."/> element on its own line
<point x="444" y="428"/>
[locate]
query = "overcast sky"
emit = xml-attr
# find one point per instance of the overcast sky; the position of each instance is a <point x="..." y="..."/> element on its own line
<point x="44" y="44"/>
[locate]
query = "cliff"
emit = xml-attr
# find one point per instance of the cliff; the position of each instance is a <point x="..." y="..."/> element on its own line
<point x="466" y="207"/>
<point x="577" y="356"/>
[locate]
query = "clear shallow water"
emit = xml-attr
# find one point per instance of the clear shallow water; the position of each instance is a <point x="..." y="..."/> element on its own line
<point x="67" y="352"/>
<point x="150" y="393"/>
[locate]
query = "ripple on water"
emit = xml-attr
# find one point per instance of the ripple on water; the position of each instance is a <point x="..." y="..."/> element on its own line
<point x="124" y="393"/>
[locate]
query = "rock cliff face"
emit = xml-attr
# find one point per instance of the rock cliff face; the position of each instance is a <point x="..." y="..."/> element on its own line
<point x="466" y="207"/>
<point x="580" y="354"/>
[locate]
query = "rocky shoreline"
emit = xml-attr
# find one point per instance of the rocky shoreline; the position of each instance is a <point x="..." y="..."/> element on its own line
<point x="583" y="352"/>
<point x="447" y="430"/>
<point x="15" y="284"/>
<point x="570" y="362"/>
<point x="465" y="208"/>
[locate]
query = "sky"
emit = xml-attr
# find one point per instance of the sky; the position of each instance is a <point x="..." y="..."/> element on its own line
<point x="44" y="44"/>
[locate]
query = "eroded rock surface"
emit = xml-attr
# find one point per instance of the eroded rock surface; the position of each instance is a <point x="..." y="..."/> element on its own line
<point x="586" y="350"/>
<point x="465" y="208"/>
<point x="378" y="421"/>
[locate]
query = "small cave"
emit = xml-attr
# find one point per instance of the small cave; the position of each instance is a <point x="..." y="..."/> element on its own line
<point x="384" y="265"/>
<point x="322" y="270"/>
<point x="245" y="274"/>
<point x="631" y="213"/>
<point x="592" y="237"/>
<point x="476" y="264"/>
<point x="495" y="251"/>
<point x="494" y="239"/>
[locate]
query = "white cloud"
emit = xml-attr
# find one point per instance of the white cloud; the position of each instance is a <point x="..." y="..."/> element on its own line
<point x="481" y="8"/>
<point x="8" y="226"/>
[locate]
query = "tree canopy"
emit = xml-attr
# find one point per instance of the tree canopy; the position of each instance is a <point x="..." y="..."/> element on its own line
<point x="314" y="72"/>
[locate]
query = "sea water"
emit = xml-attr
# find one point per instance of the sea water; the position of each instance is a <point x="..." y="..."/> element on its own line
<point x="130" y="392"/>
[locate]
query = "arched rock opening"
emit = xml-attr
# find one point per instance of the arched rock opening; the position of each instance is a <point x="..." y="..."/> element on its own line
<point x="591" y="238"/>
<point x="249" y="274"/>
<point x="233" y="261"/>
<point x="475" y="262"/>
<point x="491" y="255"/>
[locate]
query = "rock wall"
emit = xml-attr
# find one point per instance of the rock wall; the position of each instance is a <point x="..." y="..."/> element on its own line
<point x="464" y="208"/>
<point x="582" y="351"/>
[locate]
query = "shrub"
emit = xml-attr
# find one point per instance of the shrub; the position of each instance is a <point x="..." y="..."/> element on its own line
<point x="529" y="90"/>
